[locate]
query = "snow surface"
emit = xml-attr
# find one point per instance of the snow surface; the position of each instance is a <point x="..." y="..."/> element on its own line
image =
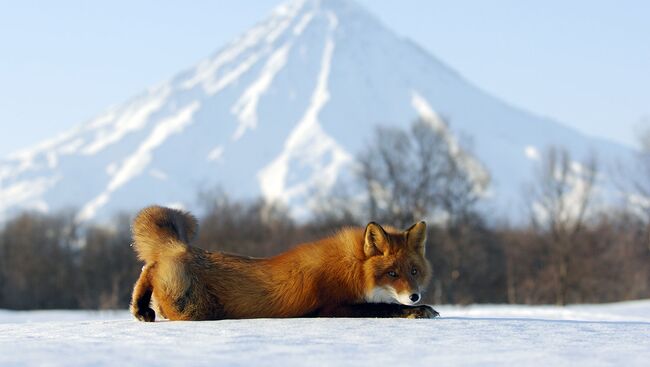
<point x="580" y="335"/>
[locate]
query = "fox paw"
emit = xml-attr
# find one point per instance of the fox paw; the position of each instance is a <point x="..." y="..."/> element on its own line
<point x="421" y="312"/>
<point x="145" y="314"/>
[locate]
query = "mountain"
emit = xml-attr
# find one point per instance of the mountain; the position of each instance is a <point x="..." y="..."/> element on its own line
<point x="280" y="112"/>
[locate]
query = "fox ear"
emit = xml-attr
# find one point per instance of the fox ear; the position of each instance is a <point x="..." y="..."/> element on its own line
<point x="416" y="237"/>
<point x="375" y="240"/>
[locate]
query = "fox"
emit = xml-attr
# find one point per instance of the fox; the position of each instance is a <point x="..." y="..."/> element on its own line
<point x="372" y="272"/>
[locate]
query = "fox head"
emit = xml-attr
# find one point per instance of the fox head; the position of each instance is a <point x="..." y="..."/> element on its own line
<point x="396" y="270"/>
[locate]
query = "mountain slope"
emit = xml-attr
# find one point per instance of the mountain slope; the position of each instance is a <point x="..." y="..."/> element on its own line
<point x="280" y="112"/>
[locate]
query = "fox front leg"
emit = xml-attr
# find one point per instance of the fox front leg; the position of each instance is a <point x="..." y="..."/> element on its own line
<point x="382" y="310"/>
<point x="420" y="312"/>
<point x="411" y="312"/>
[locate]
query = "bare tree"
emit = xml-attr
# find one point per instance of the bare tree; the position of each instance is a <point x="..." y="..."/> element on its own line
<point x="37" y="263"/>
<point x="253" y="227"/>
<point x="637" y="183"/>
<point x="107" y="266"/>
<point x="560" y="198"/>
<point x="420" y="173"/>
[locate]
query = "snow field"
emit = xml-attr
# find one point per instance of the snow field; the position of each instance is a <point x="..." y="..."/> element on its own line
<point x="590" y="335"/>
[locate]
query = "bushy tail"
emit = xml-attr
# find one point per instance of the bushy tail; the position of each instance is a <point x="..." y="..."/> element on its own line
<point x="162" y="232"/>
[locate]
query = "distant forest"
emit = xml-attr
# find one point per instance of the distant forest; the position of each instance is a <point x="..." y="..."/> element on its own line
<point x="568" y="251"/>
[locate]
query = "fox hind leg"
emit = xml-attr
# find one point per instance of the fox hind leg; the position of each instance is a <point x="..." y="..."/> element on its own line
<point x="141" y="299"/>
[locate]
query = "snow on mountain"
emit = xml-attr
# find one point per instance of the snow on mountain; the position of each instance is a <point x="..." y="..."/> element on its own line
<point x="281" y="112"/>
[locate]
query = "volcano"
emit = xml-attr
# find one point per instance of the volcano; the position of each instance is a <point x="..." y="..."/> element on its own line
<point x="281" y="112"/>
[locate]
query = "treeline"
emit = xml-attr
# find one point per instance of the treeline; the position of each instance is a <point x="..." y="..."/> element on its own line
<point x="46" y="261"/>
<point x="565" y="251"/>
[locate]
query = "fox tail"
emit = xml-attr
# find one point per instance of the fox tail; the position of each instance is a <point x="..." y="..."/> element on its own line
<point x="160" y="232"/>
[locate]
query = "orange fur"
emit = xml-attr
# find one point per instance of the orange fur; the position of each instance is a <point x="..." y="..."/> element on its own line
<point x="331" y="277"/>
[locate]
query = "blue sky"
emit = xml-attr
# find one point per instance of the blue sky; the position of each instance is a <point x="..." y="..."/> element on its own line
<point x="585" y="63"/>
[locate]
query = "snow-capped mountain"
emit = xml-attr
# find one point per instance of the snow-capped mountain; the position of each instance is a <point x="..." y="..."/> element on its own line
<point x="280" y="112"/>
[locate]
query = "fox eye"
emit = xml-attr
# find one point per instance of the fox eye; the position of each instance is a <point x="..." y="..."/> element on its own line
<point x="414" y="271"/>
<point x="392" y="274"/>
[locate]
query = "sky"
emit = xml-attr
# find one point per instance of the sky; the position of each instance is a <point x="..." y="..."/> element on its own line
<point x="584" y="63"/>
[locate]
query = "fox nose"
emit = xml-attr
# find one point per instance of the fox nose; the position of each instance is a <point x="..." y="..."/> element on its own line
<point x="415" y="297"/>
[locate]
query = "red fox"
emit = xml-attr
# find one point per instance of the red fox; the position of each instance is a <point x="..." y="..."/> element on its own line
<point x="374" y="272"/>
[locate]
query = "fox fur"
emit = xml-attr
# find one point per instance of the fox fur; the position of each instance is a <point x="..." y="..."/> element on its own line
<point x="371" y="272"/>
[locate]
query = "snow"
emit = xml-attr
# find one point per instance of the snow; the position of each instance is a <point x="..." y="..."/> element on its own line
<point x="43" y="316"/>
<point x="246" y="106"/>
<point x="207" y="69"/>
<point x="531" y="153"/>
<point x="308" y="143"/>
<point x="210" y="73"/>
<point x="586" y="335"/>
<point x="90" y="209"/>
<point x="215" y="154"/>
<point x="288" y="11"/>
<point x="158" y="174"/>
<point x="138" y="161"/>
<point x="177" y="206"/>
<point x="72" y="147"/>
<point x="629" y="311"/>
<point x="426" y="113"/>
<point x="302" y="23"/>
<point x="134" y="118"/>
<point x="24" y="190"/>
